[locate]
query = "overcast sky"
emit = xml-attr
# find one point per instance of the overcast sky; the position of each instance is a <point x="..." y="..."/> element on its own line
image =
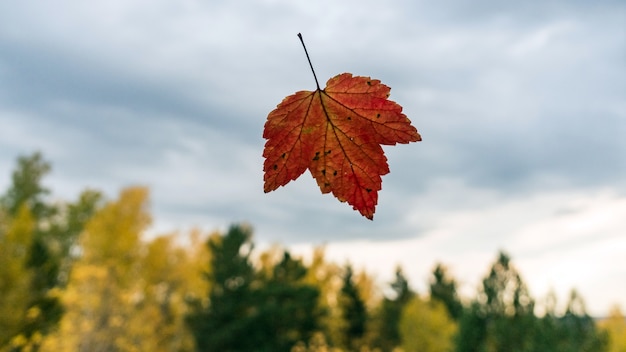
<point x="521" y="106"/>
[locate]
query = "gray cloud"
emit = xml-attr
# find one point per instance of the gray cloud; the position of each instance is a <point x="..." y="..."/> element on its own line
<point x="518" y="98"/>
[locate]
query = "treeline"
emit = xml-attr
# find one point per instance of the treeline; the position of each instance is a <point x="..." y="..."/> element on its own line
<point x="79" y="276"/>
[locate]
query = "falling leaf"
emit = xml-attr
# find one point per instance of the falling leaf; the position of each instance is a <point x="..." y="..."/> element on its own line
<point x="336" y="133"/>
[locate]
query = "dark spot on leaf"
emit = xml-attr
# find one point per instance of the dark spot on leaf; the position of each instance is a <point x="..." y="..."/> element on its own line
<point x="326" y="184"/>
<point x="377" y="116"/>
<point x="349" y="118"/>
<point x="317" y="156"/>
<point x="275" y="167"/>
<point x="284" y="155"/>
<point x="324" y="172"/>
<point x="327" y="152"/>
<point x="335" y="173"/>
<point x="368" y="190"/>
<point x="369" y="83"/>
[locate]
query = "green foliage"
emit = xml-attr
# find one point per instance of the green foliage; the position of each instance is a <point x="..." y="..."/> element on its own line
<point x="272" y="310"/>
<point x="26" y="187"/>
<point x="443" y="289"/>
<point x="230" y="311"/>
<point x="353" y="313"/>
<point x="502" y="319"/>
<point x="288" y="310"/>
<point x="577" y="329"/>
<point x="390" y="312"/>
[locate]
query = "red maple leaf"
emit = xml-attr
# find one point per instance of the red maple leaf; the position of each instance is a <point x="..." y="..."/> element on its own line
<point x="336" y="133"/>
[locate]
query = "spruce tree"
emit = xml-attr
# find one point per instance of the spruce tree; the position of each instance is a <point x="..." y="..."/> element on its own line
<point x="223" y="323"/>
<point x="391" y="311"/>
<point x="443" y="289"/>
<point x="353" y="313"/>
<point x="502" y="318"/>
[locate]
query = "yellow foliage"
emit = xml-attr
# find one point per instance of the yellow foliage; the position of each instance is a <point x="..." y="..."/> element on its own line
<point x="425" y="326"/>
<point x="16" y="237"/>
<point x="125" y="294"/>
<point x="615" y="326"/>
<point x="316" y="344"/>
<point x="326" y="276"/>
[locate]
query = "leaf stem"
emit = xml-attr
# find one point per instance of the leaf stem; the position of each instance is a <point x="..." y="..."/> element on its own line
<point x="308" y="58"/>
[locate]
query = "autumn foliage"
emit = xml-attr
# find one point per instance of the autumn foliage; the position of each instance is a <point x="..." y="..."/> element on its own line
<point x="117" y="287"/>
<point x="336" y="133"/>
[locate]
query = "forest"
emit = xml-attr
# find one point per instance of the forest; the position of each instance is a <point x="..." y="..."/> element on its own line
<point x="82" y="275"/>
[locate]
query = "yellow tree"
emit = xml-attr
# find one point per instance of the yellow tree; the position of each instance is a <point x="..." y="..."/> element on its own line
<point x="326" y="276"/>
<point x="16" y="237"/>
<point x="104" y="287"/>
<point x="615" y="326"/>
<point x="170" y="275"/>
<point x="425" y="326"/>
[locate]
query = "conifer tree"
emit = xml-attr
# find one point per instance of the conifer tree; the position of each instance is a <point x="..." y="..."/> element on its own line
<point x="443" y="289"/>
<point x="502" y="318"/>
<point x="353" y="313"/>
<point x="390" y="312"/>
<point x="225" y="321"/>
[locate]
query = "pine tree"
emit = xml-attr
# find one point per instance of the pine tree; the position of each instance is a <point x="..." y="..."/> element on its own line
<point x="502" y="318"/>
<point x="390" y="312"/>
<point x="578" y="330"/>
<point x="287" y="307"/>
<point x="224" y="322"/>
<point x="443" y="289"/>
<point x="353" y="313"/>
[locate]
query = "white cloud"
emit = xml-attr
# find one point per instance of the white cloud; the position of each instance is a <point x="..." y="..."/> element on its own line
<point x="558" y="241"/>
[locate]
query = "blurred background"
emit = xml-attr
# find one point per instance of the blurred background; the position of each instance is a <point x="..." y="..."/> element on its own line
<point x="132" y="130"/>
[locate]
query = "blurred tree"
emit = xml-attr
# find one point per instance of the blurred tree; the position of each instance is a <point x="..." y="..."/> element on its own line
<point x="287" y="307"/>
<point x="502" y="318"/>
<point x="548" y="332"/>
<point x="317" y="343"/>
<point x="103" y="291"/>
<point x="169" y="276"/>
<point x="26" y="187"/>
<point x="426" y="326"/>
<point x="224" y="322"/>
<point x="326" y="276"/>
<point x="353" y="313"/>
<point x="371" y="296"/>
<point x="55" y="227"/>
<point x="472" y="329"/>
<point x="62" y="235"/>
<point x="248" y="310"/>
<point x="578" y="330"/>
<point x="15" y="276"/>
<point x="615" y="327"/>
<point x="390" y="311"/>
<point x="443" y="288"/>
